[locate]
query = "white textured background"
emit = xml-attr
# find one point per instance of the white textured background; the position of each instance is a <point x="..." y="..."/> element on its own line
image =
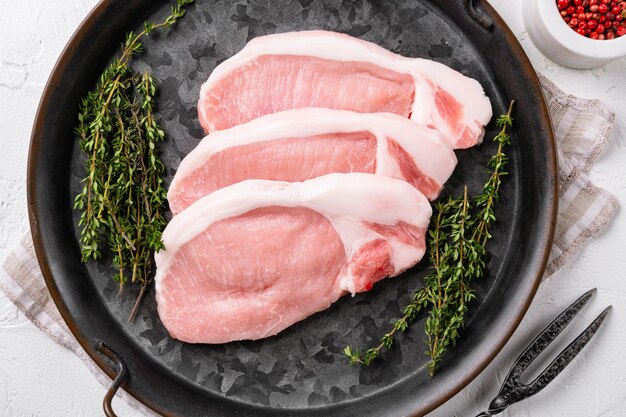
<point x="40" y="378"/>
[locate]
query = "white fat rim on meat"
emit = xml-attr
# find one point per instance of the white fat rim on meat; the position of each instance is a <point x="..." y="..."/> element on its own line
<point x="431" y="153"/>
<point x="341" y="47"/>
<point x="346" y="200"/>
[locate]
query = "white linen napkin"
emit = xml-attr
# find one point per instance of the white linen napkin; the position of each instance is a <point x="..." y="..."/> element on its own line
<point x="582" y="128"/>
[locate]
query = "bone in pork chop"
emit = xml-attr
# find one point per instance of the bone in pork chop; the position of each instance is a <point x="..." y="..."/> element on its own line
<point x="251" y="259"/>
<point x="299" y="144"/>
<point x="333" y="70"/>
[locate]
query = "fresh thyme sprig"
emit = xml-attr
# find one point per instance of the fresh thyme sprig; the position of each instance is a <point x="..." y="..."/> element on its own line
<point x="123" y="200"/>
<point x="458" y="234"/>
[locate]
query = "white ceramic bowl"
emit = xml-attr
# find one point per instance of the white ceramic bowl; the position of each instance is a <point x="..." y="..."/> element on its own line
<point x="557" y="41"/>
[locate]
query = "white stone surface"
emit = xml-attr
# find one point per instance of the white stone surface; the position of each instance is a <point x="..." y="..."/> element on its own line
<point x="40" y="378"/>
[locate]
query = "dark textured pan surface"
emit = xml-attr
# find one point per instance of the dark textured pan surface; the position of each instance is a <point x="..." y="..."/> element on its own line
<point x="302" y="370"/>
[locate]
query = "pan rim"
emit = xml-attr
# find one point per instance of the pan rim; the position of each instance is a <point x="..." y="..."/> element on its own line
<point x="547" y="233"/>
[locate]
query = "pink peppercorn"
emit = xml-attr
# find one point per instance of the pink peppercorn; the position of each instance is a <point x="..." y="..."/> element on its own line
<point x="595" y="19"/>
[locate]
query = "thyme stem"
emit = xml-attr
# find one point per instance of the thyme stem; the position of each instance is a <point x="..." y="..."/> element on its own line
<point x="142" y="293"/>
<point x="458" y="235"/>
<point x="123" y="200"/>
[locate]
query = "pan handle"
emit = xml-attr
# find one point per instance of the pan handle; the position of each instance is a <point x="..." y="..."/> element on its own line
<point x="122" y="371"/>
<point x="480" y="17"/>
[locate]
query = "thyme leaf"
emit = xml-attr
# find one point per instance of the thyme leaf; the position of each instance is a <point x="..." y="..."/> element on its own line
<point x="123" y="200"/>
<point x="457" y="238"/>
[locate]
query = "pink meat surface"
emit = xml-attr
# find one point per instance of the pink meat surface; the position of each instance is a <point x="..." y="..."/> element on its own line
<point x="294" y="81"/>
<point x="215" y="278"/>
<point x="326" y="69"/>
<point x="253" y="258"/>
<point x="300" y="144"/>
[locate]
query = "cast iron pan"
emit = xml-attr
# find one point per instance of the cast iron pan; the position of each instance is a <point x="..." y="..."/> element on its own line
<point x="302" y="370"/>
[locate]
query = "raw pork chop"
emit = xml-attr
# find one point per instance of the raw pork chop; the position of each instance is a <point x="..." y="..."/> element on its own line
<point x="326" y="69"/>
<point x="251" y="259"/>
<point x="295" y="145"/>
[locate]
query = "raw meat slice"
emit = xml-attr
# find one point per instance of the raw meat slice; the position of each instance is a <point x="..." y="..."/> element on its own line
<point x="251" y="259"/>
<point x="299" y="144"/>
<point x="326" y="69"/>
